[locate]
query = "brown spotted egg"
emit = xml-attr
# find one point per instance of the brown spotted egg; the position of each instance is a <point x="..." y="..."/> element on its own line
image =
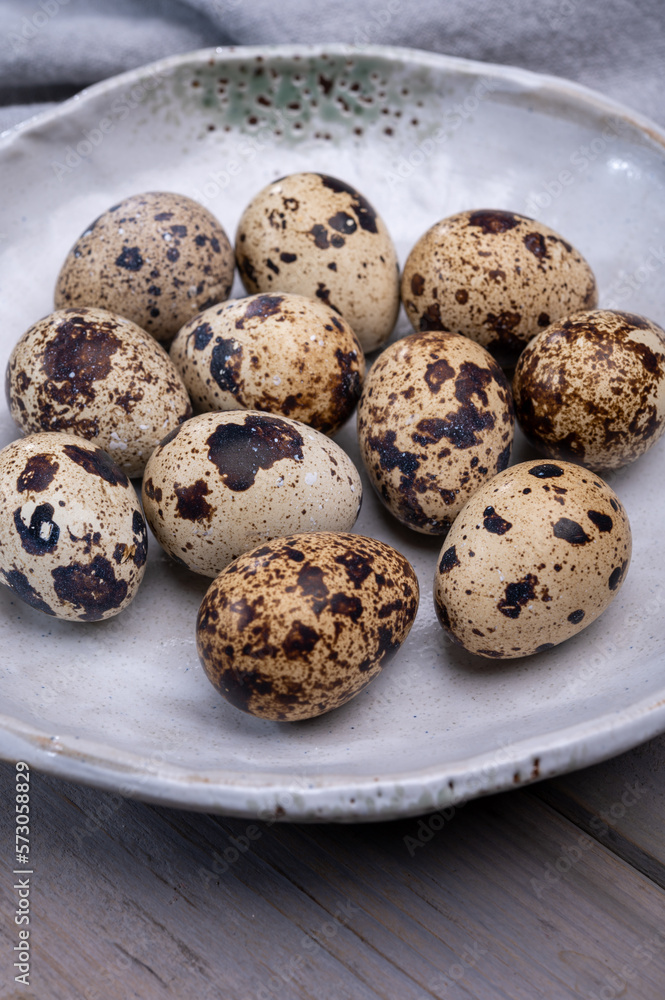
<point x="73" y="540"/>
<point x="435" y="422"/>
<point x="496" y="277"/>
<point x="301" y="625"/>
<point x="280" y="353"/>
<point x="591" y="388"/>
<point x="317" y="236"/>
<point x="90" y="373"/>
<point x="157" y="258"/>
<point x="222" y="483"/>
<point x="534" y="557"/>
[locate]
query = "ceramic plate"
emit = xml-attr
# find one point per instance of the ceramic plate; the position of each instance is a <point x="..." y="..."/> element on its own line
<point x="124" y="704"/>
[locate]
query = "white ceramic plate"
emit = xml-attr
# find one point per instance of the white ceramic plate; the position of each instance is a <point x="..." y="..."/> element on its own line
<point x="124" y="704"/>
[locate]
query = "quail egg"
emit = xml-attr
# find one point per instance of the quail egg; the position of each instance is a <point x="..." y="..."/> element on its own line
<point x="222" y="483"/>
<point x="591" y="388"/>
<point x="157" y="258"/>
<point x="317" y="236"/>
<point x="280" y="353"/>
<point x="90" y="373"/>
<point x="302" y="624"/>
<point x="435" y="421"/>
<point x="496" y="277"/>
<point x="536" y="555"/>
<point x="73" y="540"/>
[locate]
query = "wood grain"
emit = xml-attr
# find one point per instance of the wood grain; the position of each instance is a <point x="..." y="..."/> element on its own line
<point x="500" y="899"/>
<point x="621" y="803"/>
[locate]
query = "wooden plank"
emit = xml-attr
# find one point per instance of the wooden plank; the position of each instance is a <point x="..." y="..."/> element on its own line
<point x="495" y="882"/>
<point x="501" y="899"/>
<point x="621" y="803"/>
<point x="145" y="926"/>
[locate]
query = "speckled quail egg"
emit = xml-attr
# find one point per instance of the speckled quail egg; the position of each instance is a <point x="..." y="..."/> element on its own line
<point x="591" y="388"/>
<point x="535" y="556"/>
<point x="73" y="540"/>
<point x="157" y="258"/>
<point x="317" y="236"/>
<point x="99" y="376"/>
<point x="435" y="421"/>
<point x="300" y="625"/>
<point x="280" y="353"/>
<point x="496" y="277"/>
<point x="222" y="483"/>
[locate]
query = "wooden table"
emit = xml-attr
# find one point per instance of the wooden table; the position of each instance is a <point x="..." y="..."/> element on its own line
<point x="554" y="891"/>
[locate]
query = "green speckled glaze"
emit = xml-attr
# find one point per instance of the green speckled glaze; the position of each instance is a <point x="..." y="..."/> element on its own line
<point x="343" y="93"/>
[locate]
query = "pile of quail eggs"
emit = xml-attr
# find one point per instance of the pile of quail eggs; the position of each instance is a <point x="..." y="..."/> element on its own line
<point x="231" y="433"/>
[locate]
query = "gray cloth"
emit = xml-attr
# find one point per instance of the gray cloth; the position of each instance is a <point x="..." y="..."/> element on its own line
<point x="51" y="48"/>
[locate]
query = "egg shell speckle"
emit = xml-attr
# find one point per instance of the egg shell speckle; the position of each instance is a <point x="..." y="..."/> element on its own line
<point x="299" y="626"/>
<point x="99" y="376"/>
<point x="157" y="258"/>
<point x="317" y="236"/>
<point x="591" y="388"/>
<point x="435" y="421"/>
<point x="224" y="482"/>
<point x="73" y="541"/>
<point x="278" y="353"/>
<point x="496" y="277"/>
<point x="535" y="556"/>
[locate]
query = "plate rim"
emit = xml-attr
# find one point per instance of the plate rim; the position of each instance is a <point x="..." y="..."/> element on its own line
<point x="530" y="79"/>
<point x="336" y="796"/>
